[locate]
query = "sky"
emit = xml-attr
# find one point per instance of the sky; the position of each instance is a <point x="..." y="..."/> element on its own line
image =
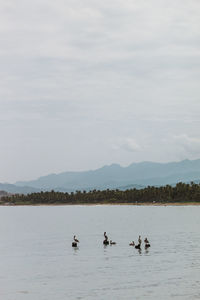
<point x="88" y="83"/>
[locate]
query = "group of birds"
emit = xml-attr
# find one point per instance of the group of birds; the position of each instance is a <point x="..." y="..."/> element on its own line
<point x="138" y="246"/>
<point x="107" y="242"/>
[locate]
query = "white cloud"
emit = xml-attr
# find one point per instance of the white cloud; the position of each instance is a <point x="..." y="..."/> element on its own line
<point x="181" y="146"/>
<point x="129" y="144"/>
<point x="191" y="145"/>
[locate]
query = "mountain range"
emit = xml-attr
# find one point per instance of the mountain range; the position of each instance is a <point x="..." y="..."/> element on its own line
<point x="136" y="175"/>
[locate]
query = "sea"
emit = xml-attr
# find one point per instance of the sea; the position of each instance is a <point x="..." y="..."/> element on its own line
<point x="37" y="261"/>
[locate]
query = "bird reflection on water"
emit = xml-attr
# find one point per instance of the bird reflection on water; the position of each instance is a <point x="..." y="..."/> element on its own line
<point x="75" y="250"/>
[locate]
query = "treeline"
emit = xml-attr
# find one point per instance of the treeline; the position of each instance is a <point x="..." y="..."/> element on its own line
<point x="165" y="194"/>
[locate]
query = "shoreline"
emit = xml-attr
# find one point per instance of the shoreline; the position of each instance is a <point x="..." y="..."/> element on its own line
<point x="109" y="204"/>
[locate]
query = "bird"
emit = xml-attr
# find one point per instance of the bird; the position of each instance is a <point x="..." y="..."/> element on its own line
<point x="112" y="243"/>
<point x="75" y="242"/>
<point x="132" y="243"/>
<point x="106" y="241"/>
<point x="147" y="245"/>
<point x="75" y="239"/>
<point x="137" y="246"/>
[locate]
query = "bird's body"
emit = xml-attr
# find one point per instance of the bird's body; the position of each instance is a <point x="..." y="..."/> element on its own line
<point x="74" y="244"/>
<point x="137" y="246"/>
<point x="132" y="243"/>
<point x="106" y="242"/>
<point x="112" y="243"/>
<point x="147" y="244"/>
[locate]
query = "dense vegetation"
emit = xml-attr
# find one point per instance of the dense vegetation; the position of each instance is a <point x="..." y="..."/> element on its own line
<point x="183" y="193"/>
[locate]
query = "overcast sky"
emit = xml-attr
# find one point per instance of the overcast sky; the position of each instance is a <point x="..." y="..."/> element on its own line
<point x="85" y="83"/>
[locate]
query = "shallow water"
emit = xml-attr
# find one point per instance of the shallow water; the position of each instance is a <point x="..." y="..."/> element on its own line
<point x="38" y="262"/>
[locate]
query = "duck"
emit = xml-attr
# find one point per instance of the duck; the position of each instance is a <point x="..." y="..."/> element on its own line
<point x="139" y="240"/>
<point x="132" y="243"/>
<point x="146" y="240"/>
<point x="112" y="243"/>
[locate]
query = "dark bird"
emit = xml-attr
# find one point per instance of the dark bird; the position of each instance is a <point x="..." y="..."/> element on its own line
<point x="112" y="243"/>
<point x="74" y="244"/>
<point x="137" y="246"/>
<point x="106" y="241"/>
<point x="147" y="244"/>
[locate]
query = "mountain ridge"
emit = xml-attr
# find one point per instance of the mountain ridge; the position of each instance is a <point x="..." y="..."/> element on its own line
<point x="114" y="176"/>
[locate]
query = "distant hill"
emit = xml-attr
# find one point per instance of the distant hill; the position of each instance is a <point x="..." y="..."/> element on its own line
<point x="136" y="175"/>
<point x="14" y="189"/>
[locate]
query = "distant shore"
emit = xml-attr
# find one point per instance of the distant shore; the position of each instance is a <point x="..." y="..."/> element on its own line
<point x="179" y="195"/>
<point x="108" y="204"/>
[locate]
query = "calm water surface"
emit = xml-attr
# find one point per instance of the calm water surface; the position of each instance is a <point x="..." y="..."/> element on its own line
<point x="38" y="262"/>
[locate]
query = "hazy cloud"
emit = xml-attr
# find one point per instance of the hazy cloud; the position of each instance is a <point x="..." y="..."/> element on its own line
<point x="78" y="75"/>
<point x="191" y="145"/>
<point x="128" y="144"/>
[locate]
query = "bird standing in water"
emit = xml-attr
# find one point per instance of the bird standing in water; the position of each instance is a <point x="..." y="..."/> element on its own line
<point x="75" y="242"/>
<point x="106" y="241"/>
<point x="147" y="244"/>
